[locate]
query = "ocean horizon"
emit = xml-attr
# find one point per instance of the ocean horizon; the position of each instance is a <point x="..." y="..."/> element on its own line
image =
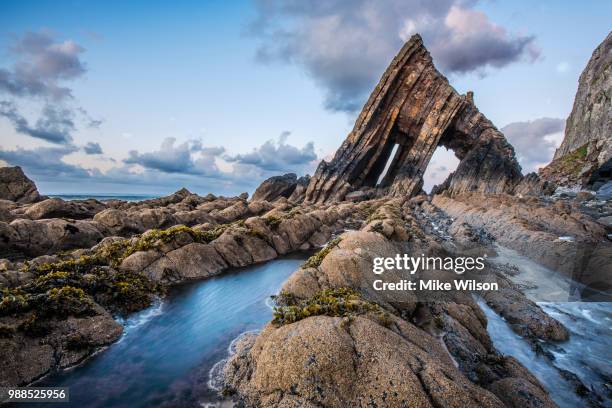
<point x="105" y="196"/>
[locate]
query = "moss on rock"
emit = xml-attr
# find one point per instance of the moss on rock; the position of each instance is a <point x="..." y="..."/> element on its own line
<point x="315" y="260"/>
<point x="342" y="302"/>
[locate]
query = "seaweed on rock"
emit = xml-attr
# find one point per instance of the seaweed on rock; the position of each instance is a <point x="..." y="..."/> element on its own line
<point x="342" y="302"/>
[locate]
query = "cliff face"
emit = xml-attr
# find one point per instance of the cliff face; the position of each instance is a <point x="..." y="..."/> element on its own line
<point x="414" y="108"/>
<point x="586" y="150"/>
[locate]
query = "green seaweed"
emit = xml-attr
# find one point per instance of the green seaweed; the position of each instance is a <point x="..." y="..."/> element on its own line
<point x="342" y="302"/>
<point x="315" y="260"/>
<point x="68" y="301"/>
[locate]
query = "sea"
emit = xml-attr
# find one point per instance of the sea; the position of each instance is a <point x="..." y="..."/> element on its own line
<point x="105" y="197"/>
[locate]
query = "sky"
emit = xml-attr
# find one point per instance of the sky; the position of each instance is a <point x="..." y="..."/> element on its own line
<point x="148" y="97"/>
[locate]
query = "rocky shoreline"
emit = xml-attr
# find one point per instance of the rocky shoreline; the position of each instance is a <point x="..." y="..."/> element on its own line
<point x="70" y="267"/>
<point x="119" y="275"/>
<point x="379" y="349"/>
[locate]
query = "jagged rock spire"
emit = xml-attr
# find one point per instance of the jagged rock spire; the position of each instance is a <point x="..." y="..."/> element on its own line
<point x="413" y="106"/>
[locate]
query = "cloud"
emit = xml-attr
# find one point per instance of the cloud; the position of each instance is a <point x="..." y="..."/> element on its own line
<point x="45" y="163"/>
<point x="41" y="64"/>
<point x="345" y="45"/>
<point x="468" y="41"/>
<point x="189" y="164"/>
<point x="534" y="141"/>
<point x="48" y="168"/>
<point x="92" y="148"/>
<point x="277" y="156"/>
<point x="90" y="122"/>
<point x="185" y="158"/>
<point x="55" y="125"/>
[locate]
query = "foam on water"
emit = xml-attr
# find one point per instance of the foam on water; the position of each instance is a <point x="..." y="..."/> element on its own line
<point x="587" y="353"/>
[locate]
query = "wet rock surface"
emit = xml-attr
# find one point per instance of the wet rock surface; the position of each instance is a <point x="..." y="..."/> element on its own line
<point x="383" y="350"/>
<point x="559" y="234"/>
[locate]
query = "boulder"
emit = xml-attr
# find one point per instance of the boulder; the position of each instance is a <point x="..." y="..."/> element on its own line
<point x="58" y="208"/>
<point x="25" y="358"/>
<point x="192" y="261"/>
<point x="118" y="222"/>
<point x="39" y="237"/>
<point x="16" y="186"/>
<point x="276" y="187"/>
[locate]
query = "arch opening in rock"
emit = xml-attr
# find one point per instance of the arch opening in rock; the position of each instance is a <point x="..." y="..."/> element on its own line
<point x="413" y="106"/>
<point x="390" y="159"/>
<point x="443" y="163"/>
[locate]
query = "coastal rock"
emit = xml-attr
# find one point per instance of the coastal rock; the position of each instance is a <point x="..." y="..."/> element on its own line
<point x="192" y="261"/>
<point x="300" y="189"/>
<point x="523" y="315"/>
<point x="66" y="342"/>
<point x="151" y="218"/>
<point x="374" y="358"/>
<point x="16" y="186"/>
<point x="34" y="238"/>
<point x="118" y="222"/>
<point x="330" y="362"/>
<point x="557" y="235"/>
<point x="233" y="212"/>
<point x="414" y="108"/>
<point x="58" y="208"/>
<point x="533" y="185"/>
<point x="275" y="187"/>
<point x="585" y="155"/>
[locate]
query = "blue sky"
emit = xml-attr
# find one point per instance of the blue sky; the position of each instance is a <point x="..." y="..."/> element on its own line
<point x="252" y="89"/>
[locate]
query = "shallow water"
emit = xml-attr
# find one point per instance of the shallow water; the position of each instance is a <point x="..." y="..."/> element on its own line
<point x="509" y="343"/>
<point x="587" y="353"/>
<point x="166" y="351"/>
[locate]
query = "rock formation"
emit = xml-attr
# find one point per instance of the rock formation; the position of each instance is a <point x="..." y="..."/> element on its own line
<point x="56" y="309"/>
<point x="334" y="341"/>
<point x="16" y="186"/>
<point x="373" y="348"/>
<point x="286" y="186"/>
<point x="414" y="107"/>
<point x="585" y="155"/>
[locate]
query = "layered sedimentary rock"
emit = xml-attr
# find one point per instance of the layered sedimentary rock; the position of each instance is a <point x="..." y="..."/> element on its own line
<point x="16" y="186"/>
<point x="414" y="108"/>
<point x="585" y="154"/>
